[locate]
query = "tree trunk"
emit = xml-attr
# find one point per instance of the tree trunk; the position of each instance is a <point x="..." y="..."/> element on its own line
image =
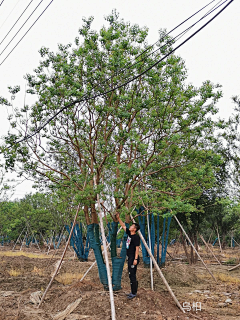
<point x="117" y="262"/>
<point x="93" y="230"/>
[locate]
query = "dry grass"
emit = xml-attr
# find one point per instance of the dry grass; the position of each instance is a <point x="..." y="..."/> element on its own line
<point x="226" y="278"/>
<point x="68" y="278"/>
<point x="38" y="271"/>
<point x="25" y="254"/>
<point x="221" y="277"/>
<point x="14" y="272"/>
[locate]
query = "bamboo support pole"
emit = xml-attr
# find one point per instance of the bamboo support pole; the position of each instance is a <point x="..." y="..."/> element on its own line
<point x="150" y="246"/>
<point x="194" y="248"/>
<point x="209" y="249"/>
<point x="236" y="242"/>
<point x="113" y="312"/>
<point x="49" y="246"/>
<point x="219" y="241"/>
<point x="210" y="237"/>
<point x="18" y="238"/>
<point x="159" y="270"/>
<point x="61" y="260"/>
<point x="235" y="267"/>
<point x="30" y="232"/>
<point x="23" y="241"/>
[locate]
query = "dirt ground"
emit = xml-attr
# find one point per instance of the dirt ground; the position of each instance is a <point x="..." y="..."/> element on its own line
<point x="23" y="273"/>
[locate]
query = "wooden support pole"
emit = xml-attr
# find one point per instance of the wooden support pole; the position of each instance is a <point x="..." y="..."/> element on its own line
<point x="194" y="248"/>
<point x="219" y="241"/>
<point x="236" y="242"/>
<point x="18" y="238"/>
<point x="235" y="267"/>
<point x="23" y="240"/>
<point x="159" y="270"/>
<point x="113" y="312"/>
<point x="210" y="237"/>
<point x="61" y="260"/>
<point x="209" y="249"/>
<point x="150" y="246"/>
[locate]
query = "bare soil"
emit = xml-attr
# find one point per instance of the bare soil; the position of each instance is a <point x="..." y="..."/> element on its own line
<point x="20" y="276"/>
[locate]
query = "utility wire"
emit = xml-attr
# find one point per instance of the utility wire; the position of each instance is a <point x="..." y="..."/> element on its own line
<point x="26" y="32"/>
<point x="9" y="13"/>
<point x="21" y="28"/>
<point x="169" y="42"/>
<point x="1" y="2"/>
<point x="16" y="22"/>
<point x="151" y="46"/>
<point x="176" y="38"/>
<point x="127" y="82"/>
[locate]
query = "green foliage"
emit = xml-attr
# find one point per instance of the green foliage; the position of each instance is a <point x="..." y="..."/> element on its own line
<point x="40" y="212"/>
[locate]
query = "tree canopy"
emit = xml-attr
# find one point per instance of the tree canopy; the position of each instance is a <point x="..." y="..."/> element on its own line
<point x="152" y="142"/>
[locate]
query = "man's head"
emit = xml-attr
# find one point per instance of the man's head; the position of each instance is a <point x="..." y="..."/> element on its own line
<point x="134" y="227"/>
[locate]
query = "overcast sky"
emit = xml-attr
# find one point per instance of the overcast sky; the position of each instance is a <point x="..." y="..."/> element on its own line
<point x="213" y="54"/>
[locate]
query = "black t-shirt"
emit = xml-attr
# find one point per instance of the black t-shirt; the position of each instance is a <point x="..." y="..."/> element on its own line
<point x="133" y="241"/>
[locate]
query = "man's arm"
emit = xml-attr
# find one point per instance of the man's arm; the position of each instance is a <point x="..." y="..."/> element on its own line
<point x="136" y="253"/>
<point x="120" y="221"/>
<point x="136" y="256"/>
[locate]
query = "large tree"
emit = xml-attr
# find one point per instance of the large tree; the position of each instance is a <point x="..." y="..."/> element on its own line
<point x="148" y="134"/>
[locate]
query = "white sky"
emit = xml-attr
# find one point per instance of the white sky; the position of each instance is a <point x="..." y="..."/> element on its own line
<point x="213" y="54"/>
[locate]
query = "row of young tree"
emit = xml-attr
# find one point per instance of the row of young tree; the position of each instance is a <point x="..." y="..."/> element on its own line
<point x="155" y="142"/>
<point x="46" y="215"/>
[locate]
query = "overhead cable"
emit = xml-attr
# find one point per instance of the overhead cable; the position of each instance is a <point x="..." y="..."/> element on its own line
<point x="151" y="46"/>
<point x="20" y="28"/>
<point x="16" y="22"/>
<point x="180" y="35"/>
<point x="26" y="32"/>
<point x="10" y="13"/>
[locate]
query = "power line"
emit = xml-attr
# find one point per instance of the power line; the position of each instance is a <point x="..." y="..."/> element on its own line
<point x="9" y="13"/>
<point x="180" y="35"/>
<point x="151" y="46"/>
<point x="26" y="32"/>
<point x="128" y="81"/>
<point x="169" y="42"/>
<point x="21" y="28"/>
<point x="1" y="2"/>
<point x="16" y="22"/>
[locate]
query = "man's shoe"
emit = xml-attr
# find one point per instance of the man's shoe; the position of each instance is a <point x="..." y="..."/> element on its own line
<point x="131" y="296"/>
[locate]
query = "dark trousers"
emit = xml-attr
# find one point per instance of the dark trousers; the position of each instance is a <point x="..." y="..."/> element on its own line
<point x="132" y="270"/>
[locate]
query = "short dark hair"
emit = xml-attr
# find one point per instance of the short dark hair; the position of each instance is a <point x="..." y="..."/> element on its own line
<point x="137" y="226"/>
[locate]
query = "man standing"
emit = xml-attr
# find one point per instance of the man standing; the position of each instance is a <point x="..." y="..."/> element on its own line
<point x="132" y="245"/>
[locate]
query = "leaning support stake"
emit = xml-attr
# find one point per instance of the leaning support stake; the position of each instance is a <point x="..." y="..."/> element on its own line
<point x="150" y="247"/>
<point x="113" y="312"/>
<point x="209" y="249"/>
<point x="18" y="238"/>
<point x="61" y="260"/>
<point x="235" y="267"/>
<point x="194" y="248"/>
<point x="159" y="270"/>
<point x="219" y="241"/>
